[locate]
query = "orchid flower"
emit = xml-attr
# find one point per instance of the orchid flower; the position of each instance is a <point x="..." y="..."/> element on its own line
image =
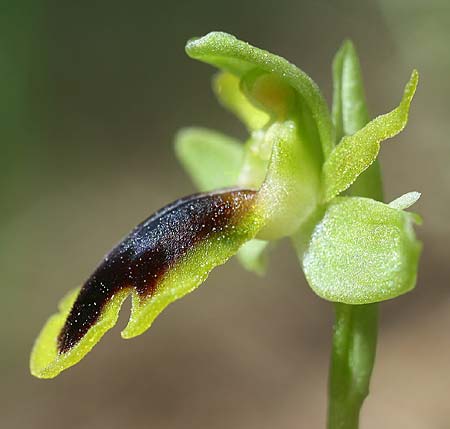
<point x="304" y="173"/>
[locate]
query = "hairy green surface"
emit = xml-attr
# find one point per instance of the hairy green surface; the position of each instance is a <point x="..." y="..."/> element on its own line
<point x="355" y="153"/>
<point x="361" y="252"/>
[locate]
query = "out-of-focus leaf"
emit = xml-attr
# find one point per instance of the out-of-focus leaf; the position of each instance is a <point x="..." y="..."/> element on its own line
<point x="253" y="256"/>
<point x="229" y="54"/>
<point x="357" y="152"/>
<point x="212" y="159"/>
<point x="361" y="252"/>
<point x="350" y="114"/>
<point x="227" y="89"/>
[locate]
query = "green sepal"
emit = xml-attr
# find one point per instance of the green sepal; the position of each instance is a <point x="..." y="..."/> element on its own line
<point x="212" y="160"/>
<point x="362" y="251"/>
<point x="226" y="86"/>
<point x="349" y="114"/>
<point x="229" y="54"/>
<point x="357" y="152"/>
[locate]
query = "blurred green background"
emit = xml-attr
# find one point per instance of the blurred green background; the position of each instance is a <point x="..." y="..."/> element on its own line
<point x="91" y="95"/>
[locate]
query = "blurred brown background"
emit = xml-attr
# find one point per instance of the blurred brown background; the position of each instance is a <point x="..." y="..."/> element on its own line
<point x="91" y="94"/>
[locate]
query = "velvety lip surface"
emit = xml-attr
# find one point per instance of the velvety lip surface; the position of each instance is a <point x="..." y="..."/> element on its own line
<point x="140" y="260"/>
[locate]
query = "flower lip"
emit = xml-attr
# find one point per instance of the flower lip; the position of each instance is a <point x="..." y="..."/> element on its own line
<point x="149" y="251"/>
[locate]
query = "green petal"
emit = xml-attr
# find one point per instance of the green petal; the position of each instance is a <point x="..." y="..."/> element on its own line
<point x="357" y="152"/>
<point x="239" y="58"/>
<point x="350" y="114"/>
<point x="212" y="159"/>
<point x="227" y="89"/>
<point x="160" y="261"/>
<point x="253" y="256"/>
<point x="361" y="252"/>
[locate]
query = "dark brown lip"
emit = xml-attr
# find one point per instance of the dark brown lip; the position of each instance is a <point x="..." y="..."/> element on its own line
<point x="140" y="260"/>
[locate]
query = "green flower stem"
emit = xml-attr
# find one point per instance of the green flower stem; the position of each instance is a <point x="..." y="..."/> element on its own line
<point x="352" y="359"/>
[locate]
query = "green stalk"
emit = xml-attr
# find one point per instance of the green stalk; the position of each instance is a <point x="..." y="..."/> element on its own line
<point x="356" y="326"/>
<point x="352" y="359"/>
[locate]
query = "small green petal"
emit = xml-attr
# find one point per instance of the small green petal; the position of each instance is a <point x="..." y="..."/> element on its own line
<point x="227" y="89"/>
<point x="253" y="256"/>
<point x="405" y="201"/>
<point x="229" y="54"/>
<point x="361" y="252"/>
<point x="212" y="159"/>
<point x="357" y="152"/>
